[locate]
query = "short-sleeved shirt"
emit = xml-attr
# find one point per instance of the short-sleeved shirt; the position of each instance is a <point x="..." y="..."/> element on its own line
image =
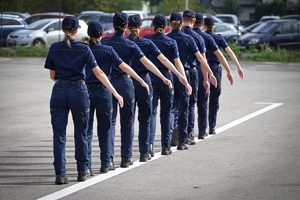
<point x="221" y="42"/>
<point x="210" y="43"/>
<point x="125" y="48"/>
<point x="186" y="46"/>
<point x="70" y="63"/>
<point x="105" y="56"/>
<point x="167" y="46"/>
<point x="199" y="42"/>
<point x="148" y="48"/>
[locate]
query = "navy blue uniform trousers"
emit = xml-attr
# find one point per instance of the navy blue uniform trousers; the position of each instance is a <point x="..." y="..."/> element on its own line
<point x="124" y="86"/>
<point x="210" y="99"/>
<point x="144" y="102"/>
<point x="180" y="108"/>
<point x="101" y="104"/>
<point x="165" y="94"/>
<point x="66" y="96"/>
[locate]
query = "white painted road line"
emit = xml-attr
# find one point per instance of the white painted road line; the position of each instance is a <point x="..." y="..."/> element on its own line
<point x="99" y="178"/>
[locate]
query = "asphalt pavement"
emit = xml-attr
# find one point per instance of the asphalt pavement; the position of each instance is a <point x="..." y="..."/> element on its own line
<point x="254" y="155"/>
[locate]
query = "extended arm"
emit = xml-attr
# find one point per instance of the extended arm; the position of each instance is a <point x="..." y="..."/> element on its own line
<point x="235" y="60"/>
<point x="181" y="75"/>
<point x="103" y="78"/>
<point x="150" y="66"/>
<point x="128" y="70"/>
<point x="206" y="71"/>
<point x="225" y="64"/>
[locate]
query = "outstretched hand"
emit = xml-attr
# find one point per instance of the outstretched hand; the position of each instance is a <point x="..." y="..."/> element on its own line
<point x="206" y="86"/>
<point x="119" y="99"/>
<point x="184" y="82"/>
<point x="168" y="82"/>
<point x="241" y="73"/>
<point x="145" y="85"/>
<point x="213" y="80"/>
<point x="230" y="78"/>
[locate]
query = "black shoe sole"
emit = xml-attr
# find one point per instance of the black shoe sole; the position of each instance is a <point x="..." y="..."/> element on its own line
<point x="60" y="181"/>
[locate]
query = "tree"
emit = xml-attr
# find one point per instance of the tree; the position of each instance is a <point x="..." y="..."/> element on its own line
<point x="69" y="6"/>
<point x="277" y="8"/>
<point x="230" y="7"/>
<point x="166" y="7"/>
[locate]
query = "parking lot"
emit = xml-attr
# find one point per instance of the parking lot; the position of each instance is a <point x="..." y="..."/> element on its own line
<point x="255" y="154"/>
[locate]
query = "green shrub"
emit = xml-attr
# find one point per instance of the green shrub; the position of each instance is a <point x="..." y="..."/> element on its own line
<point x="266" y="53"/>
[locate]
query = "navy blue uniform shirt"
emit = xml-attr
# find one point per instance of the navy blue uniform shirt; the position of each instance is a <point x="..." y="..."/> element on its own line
<point x="148" y="48"/>
<point x="199" y="42"/>
<point x="125" y="48"/>
<point x="166" y="45"/>
<point x="210" y="43"/>
<point x="221" y="42"/>
<point x="70" y="69"/>
<point x="105" y="56"/>
<point x="186" y="46"/>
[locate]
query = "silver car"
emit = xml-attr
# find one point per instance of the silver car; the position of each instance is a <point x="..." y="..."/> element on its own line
<point x="43" y="32"/>
<point x="228" y="31"/>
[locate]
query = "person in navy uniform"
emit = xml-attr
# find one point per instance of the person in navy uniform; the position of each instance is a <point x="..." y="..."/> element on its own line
<point x="126" y="49"/>
<point x="143" y="100"/>
<point x="168" y="48"/>
<point x="212" y="48"/>
<point x="189" y="18"/>
<point x="186" y="46"/>
<point x="214" y="64"/>
<point x="67" y="61"/>
<point x="100" y="96"/>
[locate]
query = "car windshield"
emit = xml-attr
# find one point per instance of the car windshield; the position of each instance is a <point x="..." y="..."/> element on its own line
<point x="264" y="28"/>
<point x="226" y="19"/>
<point x="37" y="25"/>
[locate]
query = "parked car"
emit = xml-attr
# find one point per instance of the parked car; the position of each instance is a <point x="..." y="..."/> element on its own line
<point x="139" y="12"/>
<point x="87" y="15"/>
<point x="9" y="23"/>
<point x="268" y="18"/>
<point x="21" y="15"/>
<point x="250" y="27"/>
<point x="147" y="29"/>
<point x="44" y="32"/>
<point x="231" y="19"/>
<point x="296" y="17"/>
<point x="216" y="19"/>
<point x="276" y="33"/>
<point x="38" y="16"/>
<point x="106" y="19"/>
<point x="228" y="31"/>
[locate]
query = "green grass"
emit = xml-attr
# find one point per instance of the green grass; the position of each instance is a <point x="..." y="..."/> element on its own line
<point x="265" y="54"/>
<point x="34" y="51"/>
<point x="253" y="54"/>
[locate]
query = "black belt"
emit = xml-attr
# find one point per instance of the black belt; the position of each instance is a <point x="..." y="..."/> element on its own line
<point x="163" y="70"/>
<point x="143" y="74"/>
<point x="81" y="82"/>
<point x="98" y="85"/>
<point x="214" y="62"/>
<point x="119" y="76"/>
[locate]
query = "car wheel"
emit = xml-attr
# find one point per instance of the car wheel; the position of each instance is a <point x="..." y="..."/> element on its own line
<point x="38" y="42"/>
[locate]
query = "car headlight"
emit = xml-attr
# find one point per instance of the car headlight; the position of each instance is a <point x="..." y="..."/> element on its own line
<point x="25" y="36"/>
<point x="254" y="41"/>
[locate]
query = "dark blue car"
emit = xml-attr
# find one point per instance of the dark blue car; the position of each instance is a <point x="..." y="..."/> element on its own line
<point x="9" y="23"/>
<point x="274" y="34"/>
